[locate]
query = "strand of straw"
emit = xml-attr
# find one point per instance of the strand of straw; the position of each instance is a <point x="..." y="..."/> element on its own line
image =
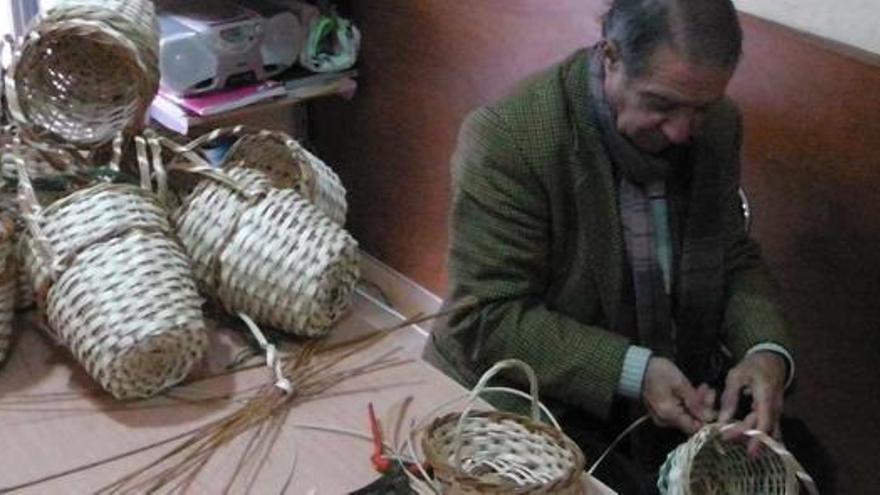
<point x="313" y="385"/>
<point x="272" y="359"/>
<point x="313" y="379"/>
<point x="635" y="424"/>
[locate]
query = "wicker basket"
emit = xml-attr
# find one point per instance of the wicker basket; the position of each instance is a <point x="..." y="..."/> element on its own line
<point x="502" y="453"/>
<point x="287" y="164"/>
<point x="116" y="287"/>
<point x="50" y="184"/>
<point x="7" y="284"/>
<point x="268" y="253"/>
<point x="86" y="71"/>
<point x="290" y="165"/>
<point x="707" y="464"/>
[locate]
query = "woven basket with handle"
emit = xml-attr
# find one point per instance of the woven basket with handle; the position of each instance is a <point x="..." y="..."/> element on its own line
<point x="7" y="284"/>
<point x="708" y="465"/>
<point x="117" y="289"/>
<point x="287" y="163"/>
<point x="493" y="452"/>
<point x="50" y="184"/>
<point x="268" y="252"/>
<point x="85" y="71"/>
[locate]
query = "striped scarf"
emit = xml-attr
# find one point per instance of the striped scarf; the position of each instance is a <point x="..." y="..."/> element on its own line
<point x="645" y="219"/>
<point x="674" y="245"/>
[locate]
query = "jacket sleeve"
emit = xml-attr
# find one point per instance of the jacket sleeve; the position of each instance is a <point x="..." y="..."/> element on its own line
<point x="751" y="314"/>
<point x="500" y="255"/>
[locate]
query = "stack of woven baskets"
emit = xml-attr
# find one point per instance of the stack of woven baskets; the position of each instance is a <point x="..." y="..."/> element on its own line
<point x="118" y="272"/>
<point x="272" y="248"/>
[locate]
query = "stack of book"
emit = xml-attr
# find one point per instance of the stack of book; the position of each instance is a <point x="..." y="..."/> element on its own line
<point x="183" y="113"/>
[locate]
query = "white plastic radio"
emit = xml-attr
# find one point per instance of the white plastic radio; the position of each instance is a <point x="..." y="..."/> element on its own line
<point x="208" y="45"/>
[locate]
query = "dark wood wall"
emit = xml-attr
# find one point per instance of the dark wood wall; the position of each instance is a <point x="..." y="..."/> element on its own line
<point x="811" y="165"/>
<point x="424" y="65"/>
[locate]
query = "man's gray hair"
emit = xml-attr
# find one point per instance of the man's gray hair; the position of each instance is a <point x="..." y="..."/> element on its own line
<point x="703" y="31"/>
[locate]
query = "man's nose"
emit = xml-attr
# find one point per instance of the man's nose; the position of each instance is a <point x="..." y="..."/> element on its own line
<point x="679" y="127"/>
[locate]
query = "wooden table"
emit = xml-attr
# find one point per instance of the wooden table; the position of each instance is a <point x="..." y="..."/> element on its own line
<point x="53" y="418"/>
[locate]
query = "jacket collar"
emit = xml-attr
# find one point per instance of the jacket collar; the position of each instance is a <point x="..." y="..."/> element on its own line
<point x="594" y="186"/>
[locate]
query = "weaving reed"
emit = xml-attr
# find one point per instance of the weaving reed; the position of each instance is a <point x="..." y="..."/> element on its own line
<point x="7" y="284"/>
<point x="268" y="253"/>
<point x="502" y="453"/>
<point x="85" y="71"/>
<point x="117" y="289"/>
<point x="708" y="465"/>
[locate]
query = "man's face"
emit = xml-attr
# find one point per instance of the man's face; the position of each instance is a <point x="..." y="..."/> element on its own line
<point x="665" y="104"/>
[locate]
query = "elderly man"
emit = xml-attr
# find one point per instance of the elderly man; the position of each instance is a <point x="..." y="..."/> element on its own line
<point x="597" y="221"/>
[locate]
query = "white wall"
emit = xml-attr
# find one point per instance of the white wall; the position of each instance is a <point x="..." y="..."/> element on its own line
<point x="6" y="25"/>
<point x="853" y="22"/>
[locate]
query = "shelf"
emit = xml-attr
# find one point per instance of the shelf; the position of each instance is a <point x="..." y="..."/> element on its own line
<point x="188" y="125"/>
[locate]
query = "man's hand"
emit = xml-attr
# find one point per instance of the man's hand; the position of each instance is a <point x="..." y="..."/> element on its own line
<point x="761" y="375"/>
<point x="671" y="399"/>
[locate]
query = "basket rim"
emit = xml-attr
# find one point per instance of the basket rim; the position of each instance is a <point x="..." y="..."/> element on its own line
<point x="101" y="32"/>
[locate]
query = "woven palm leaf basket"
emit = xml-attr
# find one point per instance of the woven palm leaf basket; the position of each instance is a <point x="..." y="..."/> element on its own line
<point x="288" y="165"/>
<point x="7" y="284"/>
<point x="116" y="287"/>
<point x="493" y="452"/>
<point x="85" y="71"/>
<point x="268" y="252"/>
<point x="708" y="465"/>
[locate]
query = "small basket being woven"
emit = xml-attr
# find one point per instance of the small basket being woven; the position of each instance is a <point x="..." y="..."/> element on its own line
<point x="268" y="252"/>
<point x="116" y="287"/>
<point x="7" y="284"/>
<point x="709" y="465"/>
<point x="85" y="71"/>
<point x="495" y="452"/>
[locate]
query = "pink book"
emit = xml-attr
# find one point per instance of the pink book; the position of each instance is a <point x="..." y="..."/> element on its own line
<point x="228" y="99"/>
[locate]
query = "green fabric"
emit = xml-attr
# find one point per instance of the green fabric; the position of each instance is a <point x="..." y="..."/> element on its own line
<point x="536" y="238"/>
<point x="662" y="239"/>
<point x="332" y="44"/>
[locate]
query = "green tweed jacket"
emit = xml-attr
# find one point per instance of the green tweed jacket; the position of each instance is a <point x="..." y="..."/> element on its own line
<point x="536" y="238"/>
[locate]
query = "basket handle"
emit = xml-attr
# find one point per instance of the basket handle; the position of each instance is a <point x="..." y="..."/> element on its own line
<point x="149" y="155"/>
<point x="307" y="173"/>
<point x="481" y="386"/>
<point x="32" y="212"/>
<point x="786" y="456"/>
<point x="11" y="93"/>
<point x="6" y="41"/>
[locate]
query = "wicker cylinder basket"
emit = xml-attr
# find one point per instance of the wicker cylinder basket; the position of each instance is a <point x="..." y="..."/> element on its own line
<point x="117" y="289"/>
<point x="502" y="453"/>
<point x="85" y="71"/>
<point x="7" y="284"/>
<point x="268" y="252"/>
<point x="707" y="465"/>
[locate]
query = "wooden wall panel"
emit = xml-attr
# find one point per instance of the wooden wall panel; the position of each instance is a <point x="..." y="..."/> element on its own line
<point x="811" y="165"/>
<point x="424" y="65"/>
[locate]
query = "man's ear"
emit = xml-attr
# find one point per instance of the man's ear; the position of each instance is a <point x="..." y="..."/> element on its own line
<point x="610" y="56"/>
